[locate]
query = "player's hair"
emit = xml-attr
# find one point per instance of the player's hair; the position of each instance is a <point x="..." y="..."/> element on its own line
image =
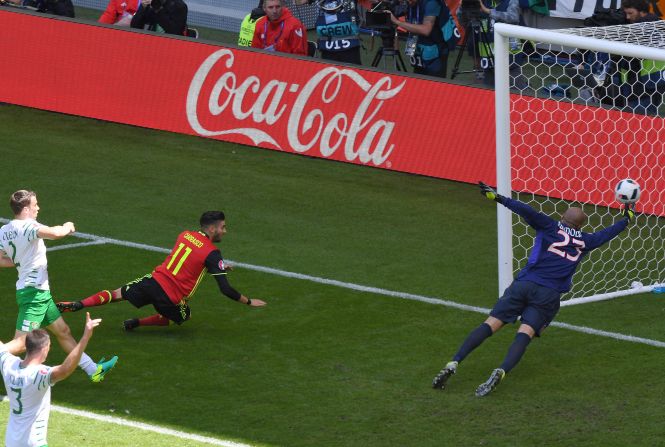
<point x="36" y="340"/>
<point x="20" y="199"/>
<point x="639" y="5"/>
<point x="210" y="217"/>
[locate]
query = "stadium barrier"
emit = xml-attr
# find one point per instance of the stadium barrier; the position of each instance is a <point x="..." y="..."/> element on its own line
<point x="297" y="105"/>
<point x="244" y="96"/>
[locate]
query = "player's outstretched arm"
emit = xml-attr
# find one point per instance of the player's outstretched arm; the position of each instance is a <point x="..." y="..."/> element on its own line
<point x="57" y="232"/>
<point x="62" y="371"/>
<point x="251" y="302"/>
<point x="489" y="192"/>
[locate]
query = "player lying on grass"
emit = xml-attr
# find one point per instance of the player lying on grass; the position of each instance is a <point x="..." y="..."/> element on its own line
<point x="22" y="246"/>
<point x="28" y="383"/>
<point x="534" y="295"/>
<point x="170" y="286"/>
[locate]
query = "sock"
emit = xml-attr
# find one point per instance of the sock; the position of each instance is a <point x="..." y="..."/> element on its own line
<point x="516" y="351"/>
<point x="475" y="338"/>
<point x="154" y="320"/>
<point x="99" y="298"/>
<point x="87" y="364"/>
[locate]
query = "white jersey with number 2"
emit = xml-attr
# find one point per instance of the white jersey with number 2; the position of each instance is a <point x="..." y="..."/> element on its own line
<point x="19" y="240"/>
<point x="29" y="391"/>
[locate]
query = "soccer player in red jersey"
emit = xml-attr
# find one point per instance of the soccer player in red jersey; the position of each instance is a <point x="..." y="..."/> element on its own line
<point x="170" y="286"/>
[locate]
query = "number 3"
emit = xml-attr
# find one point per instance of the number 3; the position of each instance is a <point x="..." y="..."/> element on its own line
<point x="579" y="245"/>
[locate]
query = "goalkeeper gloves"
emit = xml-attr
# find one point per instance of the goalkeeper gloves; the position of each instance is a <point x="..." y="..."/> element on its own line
<point x="489" y="192"/>
<point x="628" y="213"/>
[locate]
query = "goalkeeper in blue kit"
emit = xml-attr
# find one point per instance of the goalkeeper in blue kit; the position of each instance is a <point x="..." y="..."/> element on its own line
<point x="534" y="295"/>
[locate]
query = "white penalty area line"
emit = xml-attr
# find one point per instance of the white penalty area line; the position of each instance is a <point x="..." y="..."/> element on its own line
<point x="376" y="290"/>
<point x="143" y="426"/>
<point x="78" y="245"/>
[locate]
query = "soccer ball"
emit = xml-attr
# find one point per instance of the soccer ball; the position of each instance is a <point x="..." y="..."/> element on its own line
<point x="627" y="191"/>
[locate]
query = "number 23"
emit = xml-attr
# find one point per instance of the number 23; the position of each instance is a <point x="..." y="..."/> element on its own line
<point x="579" y="245"/>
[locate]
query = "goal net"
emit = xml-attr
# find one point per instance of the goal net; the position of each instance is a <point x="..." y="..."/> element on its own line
<point x="577" y="110"/>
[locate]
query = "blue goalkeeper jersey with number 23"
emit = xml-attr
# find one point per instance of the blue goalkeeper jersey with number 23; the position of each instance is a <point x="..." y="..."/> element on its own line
<point x="558" y="249"/>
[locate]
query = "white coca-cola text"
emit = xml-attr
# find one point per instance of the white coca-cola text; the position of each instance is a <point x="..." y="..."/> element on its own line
<point x="363" y="136"/>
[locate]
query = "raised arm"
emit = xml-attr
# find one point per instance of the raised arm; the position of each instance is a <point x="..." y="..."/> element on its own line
<point x="57" y="232"/>
<point x="532" y="217"/>
<point x="62" y="371"/>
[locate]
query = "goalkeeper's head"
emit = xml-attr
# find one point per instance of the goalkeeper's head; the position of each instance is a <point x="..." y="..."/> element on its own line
<point x="574" y="217"/>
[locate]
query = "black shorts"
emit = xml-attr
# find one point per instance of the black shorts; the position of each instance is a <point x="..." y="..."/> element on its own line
<point x="536" y="305"/>
<point x="146" y="291"/>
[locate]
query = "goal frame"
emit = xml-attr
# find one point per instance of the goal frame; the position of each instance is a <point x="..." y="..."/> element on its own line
<point x="502" y="33"/>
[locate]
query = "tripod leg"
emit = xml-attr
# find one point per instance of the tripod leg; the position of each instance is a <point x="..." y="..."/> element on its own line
<point x="461" y="47"/>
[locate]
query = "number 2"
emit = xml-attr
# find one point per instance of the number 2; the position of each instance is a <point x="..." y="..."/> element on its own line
<point x="579" y="245"/>
<point x="11" y="244"/>
<point x="182" y="259"/>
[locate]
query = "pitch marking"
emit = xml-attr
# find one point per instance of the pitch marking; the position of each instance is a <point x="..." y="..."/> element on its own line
<point x="143" y="426"/>
<point x="376" y="290"/>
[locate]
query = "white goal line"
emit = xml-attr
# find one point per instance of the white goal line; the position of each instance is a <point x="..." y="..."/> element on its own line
<point x="375" y="290"/>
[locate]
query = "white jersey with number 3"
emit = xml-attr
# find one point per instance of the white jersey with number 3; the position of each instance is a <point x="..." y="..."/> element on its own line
<point x="19" y="240"/>
<point x="29" y="391"/>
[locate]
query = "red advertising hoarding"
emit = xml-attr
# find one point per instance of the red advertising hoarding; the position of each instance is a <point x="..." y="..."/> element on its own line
<point x="305" y="106"/>
<point x="276" y="102"/>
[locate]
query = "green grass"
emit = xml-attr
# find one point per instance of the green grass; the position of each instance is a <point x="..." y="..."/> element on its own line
<point x="320" y="365"/>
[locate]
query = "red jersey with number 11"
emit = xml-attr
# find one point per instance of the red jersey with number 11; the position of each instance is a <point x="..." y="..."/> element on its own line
<point x="184" y="267"/>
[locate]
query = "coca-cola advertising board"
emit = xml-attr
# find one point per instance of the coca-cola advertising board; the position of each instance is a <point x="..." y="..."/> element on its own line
<point x="244" y="96"/>
<point x="300" y="106"/>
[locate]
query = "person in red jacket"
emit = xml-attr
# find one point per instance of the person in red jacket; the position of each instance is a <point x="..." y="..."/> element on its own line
<point x="279" y="30"/>
<point x="171" y="285"/>
<point x="120" y="12"/>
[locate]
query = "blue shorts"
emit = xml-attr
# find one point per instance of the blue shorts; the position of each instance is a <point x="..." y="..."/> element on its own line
<point x="536" y="305"/>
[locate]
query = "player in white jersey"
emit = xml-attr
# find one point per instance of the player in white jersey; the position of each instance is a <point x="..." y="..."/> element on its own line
<point x="29" y="381"/>
<point x="22" y="246"/>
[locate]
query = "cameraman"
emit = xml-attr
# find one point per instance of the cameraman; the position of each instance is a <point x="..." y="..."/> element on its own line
<point x="163" y="16"/>
<point x="338" y="29"/>
<point x="425" y="42"/>
<point x="502" y="11"/>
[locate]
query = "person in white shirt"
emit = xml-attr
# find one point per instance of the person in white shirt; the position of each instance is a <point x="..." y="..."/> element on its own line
<point x="28" y="383"/>
<point x="22" y="246"/>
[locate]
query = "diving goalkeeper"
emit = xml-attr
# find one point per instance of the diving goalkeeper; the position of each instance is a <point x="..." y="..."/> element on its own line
<point x="534" y="295"/>
<point x="170" y="286"/>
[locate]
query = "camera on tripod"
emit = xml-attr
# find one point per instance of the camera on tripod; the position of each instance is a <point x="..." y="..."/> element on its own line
<point x="378" y="18"/>
<point x="470" y="11"/>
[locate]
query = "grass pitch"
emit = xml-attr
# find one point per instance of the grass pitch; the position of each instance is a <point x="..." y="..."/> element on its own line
<point x="320" y="365"/>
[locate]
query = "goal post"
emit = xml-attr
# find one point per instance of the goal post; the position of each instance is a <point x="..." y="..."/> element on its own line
<point x="567" y="131"/>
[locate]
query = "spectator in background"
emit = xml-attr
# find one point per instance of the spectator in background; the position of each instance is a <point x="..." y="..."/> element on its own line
<point x="279" y="31"/>
<point x="248" y="26"/>
<point x="120" y="12"/>
<point x="63" y="8"/>
<point x="637" y="11"/>
<point x="636" y="85"/>
<point x="162" y="16"/>
<point x="338" y="29"/>
<point x="425" y="41"/>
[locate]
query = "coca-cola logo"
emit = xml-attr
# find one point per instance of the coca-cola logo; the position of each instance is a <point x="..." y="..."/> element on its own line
<point x="310" y="123"/>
